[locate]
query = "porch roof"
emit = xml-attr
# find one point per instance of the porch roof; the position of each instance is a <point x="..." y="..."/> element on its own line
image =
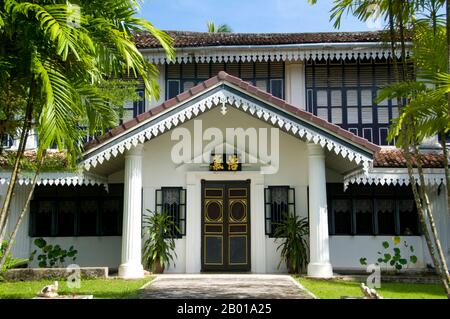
<point x="222" y="90"/>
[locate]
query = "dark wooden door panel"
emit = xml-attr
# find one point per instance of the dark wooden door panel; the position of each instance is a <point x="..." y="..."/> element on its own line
<point x="226" y="226"/>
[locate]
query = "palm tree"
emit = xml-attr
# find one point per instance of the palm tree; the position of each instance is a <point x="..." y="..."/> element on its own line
<point x="413" y="125"/>
<point x="222" y="28"/>
<point x="59" y="52"/>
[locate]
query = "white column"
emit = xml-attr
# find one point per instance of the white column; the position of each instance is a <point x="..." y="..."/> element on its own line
<point x="319" y="265"/>
<point x="131" y="266"/>
<point x="257" y="225"/>
<point x="193" y="224"/>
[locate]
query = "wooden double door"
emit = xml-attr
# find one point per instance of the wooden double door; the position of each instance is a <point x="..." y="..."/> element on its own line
<point x="225" y="225"/>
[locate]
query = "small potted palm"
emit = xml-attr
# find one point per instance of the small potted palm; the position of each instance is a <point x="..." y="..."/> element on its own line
<point x="294" y="247"/>
<point x="159" y="245"/>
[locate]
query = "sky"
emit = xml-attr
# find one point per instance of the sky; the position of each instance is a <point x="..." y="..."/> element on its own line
<point x="246" y="15"/>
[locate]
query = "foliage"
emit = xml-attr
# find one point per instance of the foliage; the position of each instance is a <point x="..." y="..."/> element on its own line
<point x="221" y="28"/>
<point x="335" y="289"/>
<point x="159" y="245"/>
<point x="56" y="58"/>
<point x="54" y="161"/>
<point x="423" y="96"/>
<point x="394" y="258"/>
<point x="63" y="54"/>
<point x="294" y="247"/>
<point x="10" y="262"/>
<point x="99" y="288"/>
<point x="53" y="255"/>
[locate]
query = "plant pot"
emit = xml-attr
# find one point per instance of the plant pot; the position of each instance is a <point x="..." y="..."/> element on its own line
<point x="158" y="268"/>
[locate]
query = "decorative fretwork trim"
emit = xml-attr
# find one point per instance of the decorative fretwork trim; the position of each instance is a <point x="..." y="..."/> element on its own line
<point x="259" y="55"/>
<point x="393" y="177"/>
<point x="224" y="98"/>
<point x="57" y="178"/>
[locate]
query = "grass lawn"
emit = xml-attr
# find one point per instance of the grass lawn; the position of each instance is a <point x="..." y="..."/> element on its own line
<point x="334" y="289"/>
<point x="100" y="288"/>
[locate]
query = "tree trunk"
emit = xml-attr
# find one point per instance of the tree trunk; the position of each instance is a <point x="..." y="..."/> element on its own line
<point x="425" y="201"/>
<point x="447" y="174"/>
<point x="21" y="149"/>
<point x="443" y="140"/>
<point x="23" y="213"/>
<point x="448" y="43"/>
<point x="404" y="136"/>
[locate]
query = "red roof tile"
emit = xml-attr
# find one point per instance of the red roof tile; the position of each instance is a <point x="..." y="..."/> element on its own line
<point x="223" y="76"/>
<point x="185" y="39"/>
<point x="395" y="158"/>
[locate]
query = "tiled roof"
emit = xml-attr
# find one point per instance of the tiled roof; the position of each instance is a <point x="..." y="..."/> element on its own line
<point x="253" y="90"/>
<point x="185" y="39"/>
<point x="395" y="158"/>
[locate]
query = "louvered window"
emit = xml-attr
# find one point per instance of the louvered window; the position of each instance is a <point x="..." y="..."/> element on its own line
<point x="133" y="109"/>
<point x="267" y="76"/>
<point x="343" y="92"/>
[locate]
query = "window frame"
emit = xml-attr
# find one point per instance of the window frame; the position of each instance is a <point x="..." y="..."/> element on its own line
<point x="7" y="142"/>
<point x="181" y="221"/>
<point x="54" y="231"/>
<point x="196" y="79"/>
<point x="374" y="198"/>
<point x="373" y="84"/>
<point x="268" y="218"/>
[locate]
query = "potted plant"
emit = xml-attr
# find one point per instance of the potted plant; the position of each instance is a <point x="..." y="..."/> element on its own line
<point x="294" y="247"/>
<point x="159" y="245"/>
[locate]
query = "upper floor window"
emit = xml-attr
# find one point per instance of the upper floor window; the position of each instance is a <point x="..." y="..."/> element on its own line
<point x="172" y="201"/>
<point x="133" y="109"/>
<point x="7" y="141"/>
<point x="343" y="92"/>
<point x="279" y="203"/>
<point x="268" y="76"/>
<point x="372" y="210"/>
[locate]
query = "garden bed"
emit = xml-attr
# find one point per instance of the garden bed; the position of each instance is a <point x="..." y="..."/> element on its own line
<point x="27" y="274"/>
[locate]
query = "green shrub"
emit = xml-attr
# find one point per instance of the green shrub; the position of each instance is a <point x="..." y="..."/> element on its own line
<point x="10" y="261"/>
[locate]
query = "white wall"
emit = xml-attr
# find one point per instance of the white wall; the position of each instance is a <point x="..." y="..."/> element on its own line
<point x="92" y="251"/>
<point x="439" y="206"/>
<point x="159" y="170"/>
<point x="346" y="251"/>
<point x="21" y="248"/>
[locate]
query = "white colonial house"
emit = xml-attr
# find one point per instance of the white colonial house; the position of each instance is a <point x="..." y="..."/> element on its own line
<point x="297" y="111"/>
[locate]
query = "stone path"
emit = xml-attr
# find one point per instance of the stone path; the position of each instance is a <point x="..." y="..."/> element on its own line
<point x="227" y="286"/>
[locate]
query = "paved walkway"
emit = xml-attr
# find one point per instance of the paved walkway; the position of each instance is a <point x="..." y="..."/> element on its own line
<point x="227" y="286"/>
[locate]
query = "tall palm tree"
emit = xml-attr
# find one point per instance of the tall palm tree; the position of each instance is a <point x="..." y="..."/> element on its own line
<point x="59" y="52"/>
<point x="221" y="28"/>
<point x="411" y="127"/>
